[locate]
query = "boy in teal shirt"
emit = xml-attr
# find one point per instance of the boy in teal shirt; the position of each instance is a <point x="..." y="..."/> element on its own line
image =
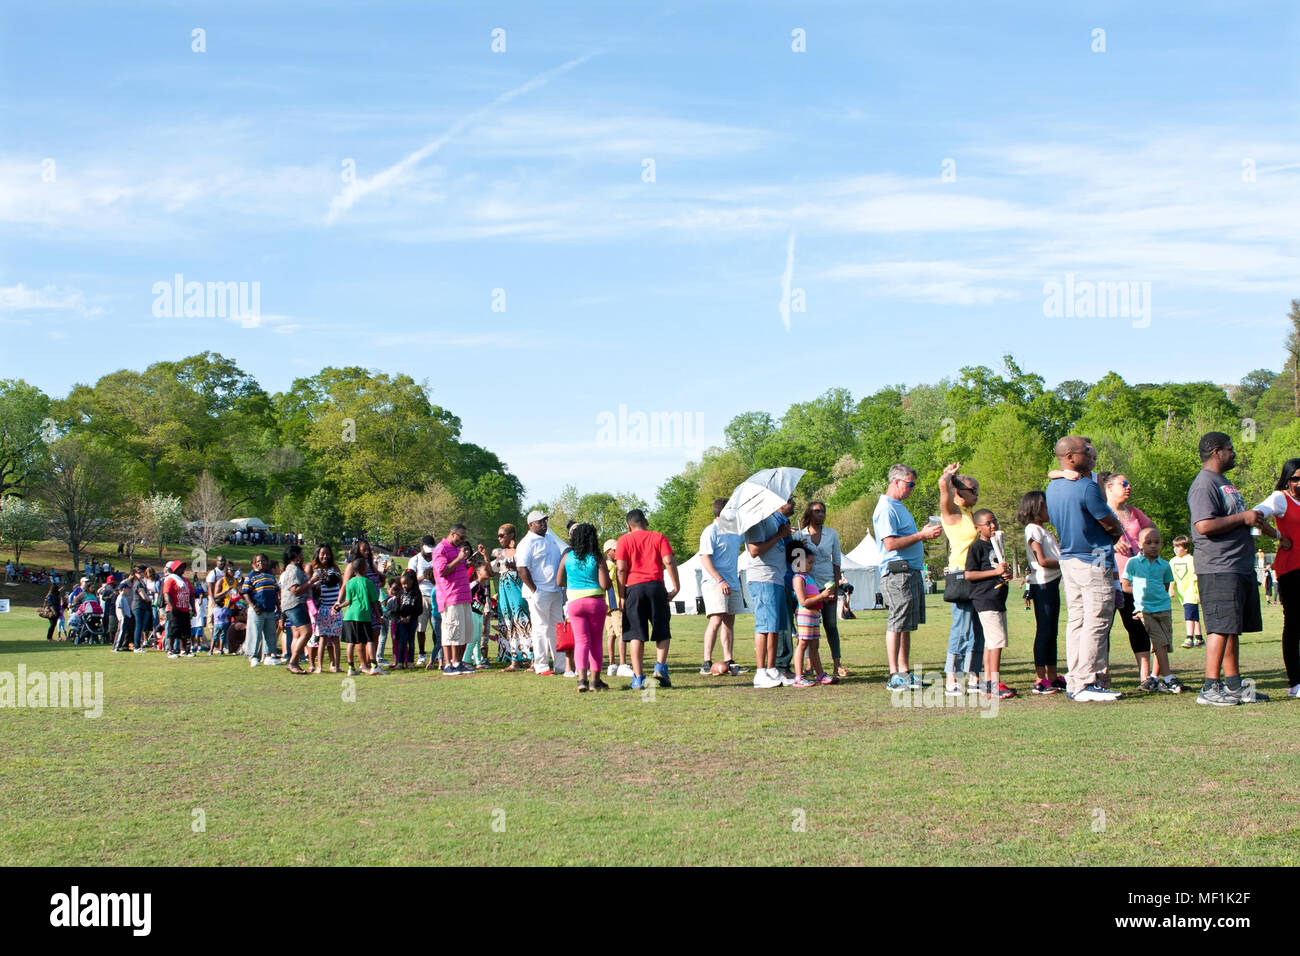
<point x="1147" y="577"/>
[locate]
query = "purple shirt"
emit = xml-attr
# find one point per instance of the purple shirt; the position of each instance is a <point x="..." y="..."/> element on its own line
<point x="454" y="589"/>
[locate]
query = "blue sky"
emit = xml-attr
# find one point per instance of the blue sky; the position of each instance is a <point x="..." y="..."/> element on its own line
<point x="523" y="171"/>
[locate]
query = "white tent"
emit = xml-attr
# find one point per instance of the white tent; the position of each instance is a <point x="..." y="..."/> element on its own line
<point x="250" y="524"/>
<point x="691" y="577"/>
<point x="866" y="557"/>
<point x="864" y="578"/>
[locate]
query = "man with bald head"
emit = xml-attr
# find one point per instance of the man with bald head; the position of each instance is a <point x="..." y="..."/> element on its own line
<point x="1088" y="530"/>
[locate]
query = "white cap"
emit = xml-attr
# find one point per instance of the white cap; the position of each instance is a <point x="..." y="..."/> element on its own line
<point x="537" y="516"/>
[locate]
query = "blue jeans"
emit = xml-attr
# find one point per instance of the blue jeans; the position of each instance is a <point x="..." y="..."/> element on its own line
<point x="141" y="626"/>
<point x="965" y="640"/>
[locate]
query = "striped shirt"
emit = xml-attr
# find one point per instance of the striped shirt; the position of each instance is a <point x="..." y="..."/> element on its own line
<point x="261" y="590"/>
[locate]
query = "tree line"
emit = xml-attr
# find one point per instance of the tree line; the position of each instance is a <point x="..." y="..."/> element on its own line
<point x="142" y="454"/>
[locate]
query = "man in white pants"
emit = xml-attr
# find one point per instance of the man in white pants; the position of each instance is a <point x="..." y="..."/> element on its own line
<point x="537" y="559"/>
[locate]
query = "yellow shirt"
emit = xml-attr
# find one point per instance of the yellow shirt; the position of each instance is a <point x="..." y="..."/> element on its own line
<point x="960" y="536"/>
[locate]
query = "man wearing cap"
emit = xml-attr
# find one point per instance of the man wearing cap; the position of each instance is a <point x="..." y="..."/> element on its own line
<point x="177" y="600"/>
<point x="537" y="559"/>
<point x="421" y="565"/>
<point x="615" y="598"/>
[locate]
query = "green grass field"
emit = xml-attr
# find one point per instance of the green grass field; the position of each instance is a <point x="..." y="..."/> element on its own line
<point x="513" y="768"/>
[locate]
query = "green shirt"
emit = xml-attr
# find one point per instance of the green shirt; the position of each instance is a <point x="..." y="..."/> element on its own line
<point x="361" y="596"/>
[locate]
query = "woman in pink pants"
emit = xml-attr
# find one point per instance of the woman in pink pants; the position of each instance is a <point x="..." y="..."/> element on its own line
<point x="585" y="579"/>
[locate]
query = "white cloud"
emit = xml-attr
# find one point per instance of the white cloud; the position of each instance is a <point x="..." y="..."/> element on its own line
<point x="19" y="298"/>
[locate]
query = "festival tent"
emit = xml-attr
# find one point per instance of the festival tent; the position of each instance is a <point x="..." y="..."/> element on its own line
<point x="865" y="580"/>
<point x="691" y="576"/>
<point x="250" y="524"/>
<point x="866" y="558"/>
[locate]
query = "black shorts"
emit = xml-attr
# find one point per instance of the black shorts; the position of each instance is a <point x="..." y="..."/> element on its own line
<point x="1230" y="603"/>
<point x="646" y="608"/>
<point x="356" y="632"/>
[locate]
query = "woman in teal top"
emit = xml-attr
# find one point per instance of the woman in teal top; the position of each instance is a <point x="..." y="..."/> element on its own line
<point x="586" y="579"/>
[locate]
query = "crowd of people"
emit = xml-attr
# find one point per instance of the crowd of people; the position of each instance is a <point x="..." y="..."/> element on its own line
<point x="571" y="607"/>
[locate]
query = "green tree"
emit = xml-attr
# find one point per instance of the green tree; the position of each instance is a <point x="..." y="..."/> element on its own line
<point x="82" y="494"/>
<point x="320" y="518"/>
<point x="746" y="432"/>
<point x="25" y="430"/>
<point x="21" y="523"/>
<point x="673" y="505"/>
<point x="1011" y="458"/>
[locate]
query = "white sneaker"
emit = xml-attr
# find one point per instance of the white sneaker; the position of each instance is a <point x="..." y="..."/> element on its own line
<point x="274" y="661"/>
<point x="420" y="661"/>
<point x="171" y="656"/>
<point x="252" y="662"/>
<point x="570" y="673"/>
<point x="612" y="671"/>
<point x="1294" y="691"/>
<point x="1094" y="693"/>
<point x="785" y="677"/>
<point x="624" y="670"/>
<point x="763" y="678"/>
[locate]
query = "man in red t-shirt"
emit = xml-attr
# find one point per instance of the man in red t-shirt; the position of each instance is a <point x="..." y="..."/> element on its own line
<point x="642" y="556"/>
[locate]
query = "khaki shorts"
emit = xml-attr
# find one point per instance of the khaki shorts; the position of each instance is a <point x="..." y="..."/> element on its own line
<point x="614" y="625"/>
<point x="457" y="625"/>
<point x="715" y="602"/>
<point x="1159" y="628"/>
<point x="994" y="624"/>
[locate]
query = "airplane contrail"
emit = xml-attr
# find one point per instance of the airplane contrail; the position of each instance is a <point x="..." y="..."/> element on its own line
<point x="355" y="190"/>
<point x="785" y="284"/>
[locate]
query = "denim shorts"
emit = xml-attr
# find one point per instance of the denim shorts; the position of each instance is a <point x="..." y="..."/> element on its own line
<point x="769" y="607"/>
<point x="296" y="616"/>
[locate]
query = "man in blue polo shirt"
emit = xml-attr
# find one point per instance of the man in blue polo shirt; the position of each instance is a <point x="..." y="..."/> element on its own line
<point x="902" y="556"/>
<point x="765" y="542"/>
<point x="1087" y="530"/>
<point x="719" y="556"/>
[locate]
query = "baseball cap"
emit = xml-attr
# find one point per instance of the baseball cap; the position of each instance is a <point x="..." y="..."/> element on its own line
<point x="174" y="566"/>
<point x="610" y="545"/>
<point x="537" y="516"/>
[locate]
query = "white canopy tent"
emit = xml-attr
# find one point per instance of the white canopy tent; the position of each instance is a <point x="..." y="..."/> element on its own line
<point x="691" y="577"/>
<point x="866" y="556"/>
<point x="250" y="524"/>
<point x="864" y="578"/>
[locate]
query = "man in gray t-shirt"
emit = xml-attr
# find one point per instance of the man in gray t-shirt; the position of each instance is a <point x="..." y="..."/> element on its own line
<point x="1225" y="570"/>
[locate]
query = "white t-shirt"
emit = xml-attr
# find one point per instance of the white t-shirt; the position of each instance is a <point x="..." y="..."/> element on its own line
<point x="1047" y="541"/>
<point x="541" y="556"/>
<point x="419" y="564"/>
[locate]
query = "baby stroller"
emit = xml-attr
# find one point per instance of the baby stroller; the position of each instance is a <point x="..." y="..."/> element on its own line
<point x="86" y="626"/>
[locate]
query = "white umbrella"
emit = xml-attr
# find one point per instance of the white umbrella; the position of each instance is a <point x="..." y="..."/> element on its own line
<point x="757" y="497"/>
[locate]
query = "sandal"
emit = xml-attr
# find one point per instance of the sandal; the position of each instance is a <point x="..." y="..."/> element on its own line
<point x="294" y="669"/>
<point x="841" y="670"/>
<point x="335" y="670"/>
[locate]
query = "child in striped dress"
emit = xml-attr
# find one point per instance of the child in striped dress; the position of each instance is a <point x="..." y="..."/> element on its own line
<point x="808" y="615"/>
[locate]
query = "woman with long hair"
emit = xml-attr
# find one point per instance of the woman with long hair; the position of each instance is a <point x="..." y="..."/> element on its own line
<point x="513" y="624"/>
<point x="327" y="582"/>
<point x="1117" y="490"/>
<point x="1283" y="505"/>
<point x="958" y="496"/>
<point x="54" y="601"/>
<point x="585" y="579"/>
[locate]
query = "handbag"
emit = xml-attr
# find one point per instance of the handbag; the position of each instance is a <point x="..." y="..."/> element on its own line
<point x="955" y="587"/>
<point x="563" y="637"/>
<point x="47" y="611"/>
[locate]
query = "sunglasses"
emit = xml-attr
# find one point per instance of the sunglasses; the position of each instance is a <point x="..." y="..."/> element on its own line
<point x="501" y="534"/>
<point x="910" y="484"/>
